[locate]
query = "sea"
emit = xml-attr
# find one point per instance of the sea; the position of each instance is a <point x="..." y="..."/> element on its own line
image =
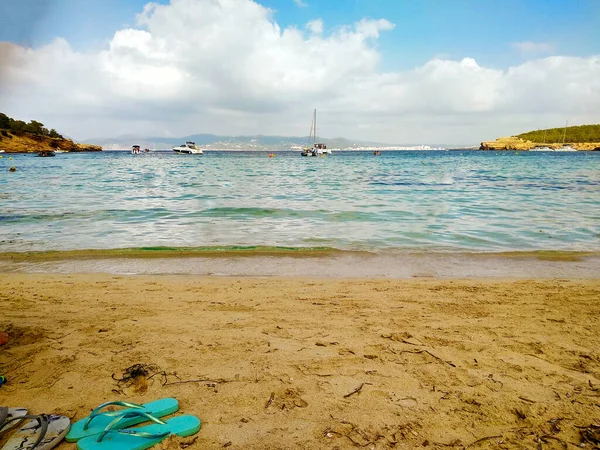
<point x="400" y="201"/>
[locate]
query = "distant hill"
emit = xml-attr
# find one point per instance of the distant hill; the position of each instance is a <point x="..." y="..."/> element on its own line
<point x="576" y="134"/>
<point x="258" y="142"/>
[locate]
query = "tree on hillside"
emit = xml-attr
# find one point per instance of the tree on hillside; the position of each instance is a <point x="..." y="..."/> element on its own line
<point x="17" y="125"/>
<point x="4" y="121"/>
<point x="581" y="133"/>
<point x="34" y="127"/>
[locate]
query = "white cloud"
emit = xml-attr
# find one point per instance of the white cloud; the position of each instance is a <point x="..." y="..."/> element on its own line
<point x="226" y="67"/>
<point x="529" y="47"/>
<point x="315" y="26"/>
<point x="300" y="3"/>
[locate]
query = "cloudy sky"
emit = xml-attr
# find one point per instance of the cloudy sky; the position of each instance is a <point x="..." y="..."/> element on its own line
<point x="394" y="71"/>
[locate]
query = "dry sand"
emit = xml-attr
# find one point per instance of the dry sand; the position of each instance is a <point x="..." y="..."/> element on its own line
<point x="290" y="363"/>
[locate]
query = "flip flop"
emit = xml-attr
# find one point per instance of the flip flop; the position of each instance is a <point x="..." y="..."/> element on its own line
<point x="42" y="432"/>
<point x="116" y="438"/>
<point x="7" y="414"/>
<point x="98" y="420"/>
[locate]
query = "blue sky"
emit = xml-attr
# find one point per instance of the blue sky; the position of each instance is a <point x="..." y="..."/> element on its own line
<point x="482" y="29"/>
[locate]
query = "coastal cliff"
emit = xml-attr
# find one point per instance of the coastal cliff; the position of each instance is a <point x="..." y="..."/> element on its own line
<point x="516" y="143"/>
<point x="23" y="142"/>
<point x="17" y="136"/>
<point x="582" y="137"/>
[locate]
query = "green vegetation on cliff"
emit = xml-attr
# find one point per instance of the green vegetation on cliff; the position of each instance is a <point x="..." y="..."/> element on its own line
<point x="18" y="136"/>
<point x="19" y="126"/>
<point x="582" y="133"/>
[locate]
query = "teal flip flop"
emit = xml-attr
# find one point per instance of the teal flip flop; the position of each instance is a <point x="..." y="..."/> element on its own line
<point x="98" y="420"/>
<point x="116" y="438"/>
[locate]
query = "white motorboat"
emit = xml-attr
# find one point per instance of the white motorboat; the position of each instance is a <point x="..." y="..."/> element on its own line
<point x="189" y="147"/>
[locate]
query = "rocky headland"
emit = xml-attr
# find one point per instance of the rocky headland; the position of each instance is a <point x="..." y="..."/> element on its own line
<point x="17" y="136"/>
<point x="581" y="137"/>
<point x="516" y="143"/>
<point x="23" y="142"/>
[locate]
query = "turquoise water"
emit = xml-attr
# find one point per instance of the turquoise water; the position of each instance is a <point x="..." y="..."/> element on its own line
<point x="446" y="201"/>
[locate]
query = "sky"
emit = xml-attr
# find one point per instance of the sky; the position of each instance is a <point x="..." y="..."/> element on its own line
<point x="399" y="72"/>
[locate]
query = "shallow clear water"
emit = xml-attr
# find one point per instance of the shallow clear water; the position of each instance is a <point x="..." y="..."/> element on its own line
<point x="417" y="201"/>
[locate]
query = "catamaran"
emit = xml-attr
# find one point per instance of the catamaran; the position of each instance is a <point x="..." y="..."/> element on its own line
<point x="318" y="149"/>
<point x="189" y="147"/>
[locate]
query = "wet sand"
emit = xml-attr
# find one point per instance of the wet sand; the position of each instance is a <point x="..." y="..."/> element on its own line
<point x="316" y="263"/>
<point x="278" y="363"/>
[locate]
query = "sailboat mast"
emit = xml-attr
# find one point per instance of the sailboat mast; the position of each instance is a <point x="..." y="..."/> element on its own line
<point x="565" y="134"/>
<point x="315" y="127"/>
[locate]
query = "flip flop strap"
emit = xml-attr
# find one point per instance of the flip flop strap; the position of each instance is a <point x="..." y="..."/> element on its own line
<point x="3" y="415"/>
<point x="17" y="419"/>
<point x="42" y="422"/>
<point x="113" y="427"/>
<point x="96" y="412"/>
<point x="131" y="432"/>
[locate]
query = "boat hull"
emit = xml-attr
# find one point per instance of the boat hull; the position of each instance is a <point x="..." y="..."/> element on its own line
<point x="188" y="151"/>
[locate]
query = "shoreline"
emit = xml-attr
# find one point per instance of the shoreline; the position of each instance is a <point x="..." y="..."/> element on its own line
<point x="276" y="251"/>
<point x="310" y="363"/>
<point x="313" y="262"/>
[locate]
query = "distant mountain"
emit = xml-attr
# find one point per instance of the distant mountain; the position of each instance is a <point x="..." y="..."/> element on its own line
<point x="212" y="141"/>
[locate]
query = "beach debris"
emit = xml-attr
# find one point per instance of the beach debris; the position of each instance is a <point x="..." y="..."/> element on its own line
<point x="368" y="437"/>
<point x="430" y="354"/>
<point x="136" y="377"/>
<point x="520" y="414"/>
<point x="590" y="434"/>
<point x="404" y="337"/>
<point x="188" y="443"/>
<point x="138" y="374"/>
<point x="131" y="373"/>
<point x="270" y="400"/>
<point x="210" y="382"/>
<point x="174" y="442"/>
<point x="357" y="390"/>
<point x="545" y="439"/>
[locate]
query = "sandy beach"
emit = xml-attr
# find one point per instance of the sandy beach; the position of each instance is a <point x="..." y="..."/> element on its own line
<point x="279" y="363"/>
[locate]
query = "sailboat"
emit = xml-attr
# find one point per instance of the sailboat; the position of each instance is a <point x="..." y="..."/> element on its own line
<point x="317" y="149"/>
<point x="566" y="148"/>
<point x="545" y="148"/>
